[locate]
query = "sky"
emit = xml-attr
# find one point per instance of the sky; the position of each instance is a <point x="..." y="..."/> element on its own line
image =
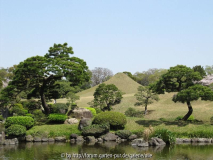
<point x="121" y="35"/>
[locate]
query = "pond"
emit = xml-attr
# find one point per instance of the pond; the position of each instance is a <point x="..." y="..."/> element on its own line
<point x="109" y="150"/>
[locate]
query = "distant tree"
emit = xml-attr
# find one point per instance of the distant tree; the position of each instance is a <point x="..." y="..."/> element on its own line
<point x="181" y="79"/>
<point x="130" y="75"/>
<point x="147" y="77"/>
<point x="1" y="83"/>
<point x="209" y="70"/>
<point x="199" y="69"/>
<point x="145" y="96"/>
<point x="40" y="74"/>
<point x="106" y="96"/>
<point x="100" y="75"/>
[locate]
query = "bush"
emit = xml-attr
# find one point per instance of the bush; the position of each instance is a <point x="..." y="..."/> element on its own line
<point x="93" y="111"/>
<point x="57" y="118"/>
<point x="191" y="118"/>
<point x="26" y="121"/>
<point x="124" y="134"/>
<point x="96" y="130"/>
<point x="116" y="120"/>
<point x="166" y="135"/>
<point x="98" y="110"/>
<point x="16" y="130"/>
<point x="31" y="105"/>
<point x="29" y="115"/>
<point x="131" y="112"/>
<point x="19" y="110"/>
<point x="1" y="118"/>
<point x="57" y="107"/>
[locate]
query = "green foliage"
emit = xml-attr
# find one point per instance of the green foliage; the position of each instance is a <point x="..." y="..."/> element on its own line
<point x="196" y="134"/>
<point x="148" y="77"/>
<point x="72" y="97"/>
<point x="92" y="110"/>
<point x="209" y="70"/>
<point x="29" y="115"/>
<point x="1" y="118"/>
<point x="38" y="74"/>
<point x="55" y="108"/>
<point x="31" y="105"/>
<point x="199" y="69"/>
<point x="16" y="130"/>
<point x="26" y="121"/>
<point x="145" y="96"/>
<point x="138" y="132"/>
<point x="116" y="120"/>
<point x="106" y="96"/>
<point x="166" y="135"/>
<point x="57" y="118"/>
<point x="40" y="117"/>
<point x="124" y="134"/>
<point x="191" y="118"/>
<point x="132" y="112"/>
<point x="19" y="110"/>
<point x="95" y="130"/>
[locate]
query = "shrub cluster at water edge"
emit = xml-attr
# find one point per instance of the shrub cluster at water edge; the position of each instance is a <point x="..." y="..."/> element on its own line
<point x="57" y="118"/>
<point x="96" y="130"/>
<point x="166" y="135"/>
<point x="124" y="134"/>
<point x="26" y="121"/>
<point x="116" y="120"/>
<point x="16" y="130"/>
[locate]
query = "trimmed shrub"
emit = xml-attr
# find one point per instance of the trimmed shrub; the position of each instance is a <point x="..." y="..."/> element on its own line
<point x="95" y="130"/>
<point x="124" y="134"/>
<point x="166" y="135"/>
<point x="19" y="110"/>
<point x="116" y="120"/>
<point x="92" y="110"/>
<point x="191" y="118"/>
<point x="29" y="115"/>
<point x="16" y="130"/>
<point x="57" y="118"/>
<point x="98" y="110"/>
<point x="26" y="121"/>
<point x="132" y="112"/>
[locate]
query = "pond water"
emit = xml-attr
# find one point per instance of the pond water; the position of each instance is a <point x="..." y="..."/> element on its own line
<point x="104" y="151"/>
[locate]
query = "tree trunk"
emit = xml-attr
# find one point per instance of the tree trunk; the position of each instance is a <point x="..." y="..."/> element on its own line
<point x="189" y="112"/>
<point x="146" y="103"/>
<point x="43" y="100"/>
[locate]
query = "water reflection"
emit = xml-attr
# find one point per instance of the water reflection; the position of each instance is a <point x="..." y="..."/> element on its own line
<point x="61" y="151"/>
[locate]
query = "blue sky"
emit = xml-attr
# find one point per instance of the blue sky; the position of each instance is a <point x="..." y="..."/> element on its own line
<point x="121" y="35"/>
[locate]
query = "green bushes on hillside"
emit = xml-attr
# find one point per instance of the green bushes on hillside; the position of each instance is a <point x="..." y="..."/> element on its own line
<point x="57" y="118"/>
<point x="92" y="110"/>
<point x="26" y="121"/>
<point x="132" y="112"/>
<point x="96" y="130"/>
<point x="115" y="119"/>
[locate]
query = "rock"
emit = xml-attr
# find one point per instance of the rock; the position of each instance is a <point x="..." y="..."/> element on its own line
<point x="100" y="140"/>
<point x="82" y="112"/>
<point x="84" y="122"/>
<point x="72" y="140"/>
<point x="109" y="137"/>
<point x="37" y="139"/>
<point x="51" y="140"/>
<point x="139" y="143"/>
<point x="187" y="140"/>
<point x="90" y="139"/>
<point x="80" y="139"/>
<point x="60" y="139"/>
<point x="123" y="140"/>
<point x="132" y="137"/>
<point x="29" y="138"/>
<point x="44" y="139"/>
<point x="73" y="136"/>
<point x="11" y="141"/>
<point x="154" y="141"/>
<point x="71" y="121"/>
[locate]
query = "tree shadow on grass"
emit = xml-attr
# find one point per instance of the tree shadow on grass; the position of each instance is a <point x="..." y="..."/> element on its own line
<point x="147" y="123"/>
